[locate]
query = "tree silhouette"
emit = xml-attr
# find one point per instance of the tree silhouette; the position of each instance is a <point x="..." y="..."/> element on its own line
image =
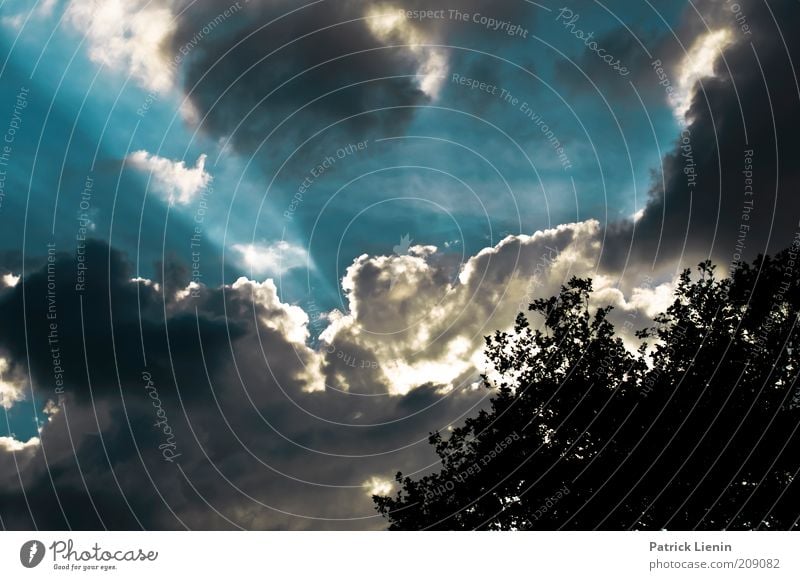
<point x="695" y="430"/>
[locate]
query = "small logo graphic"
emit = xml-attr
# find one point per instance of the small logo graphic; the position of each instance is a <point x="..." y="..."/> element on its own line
<point x="400" y="249"/>
<point x="31" y="553"/>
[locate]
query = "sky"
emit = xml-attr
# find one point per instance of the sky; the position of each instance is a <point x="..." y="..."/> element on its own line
<point x="249" y="251"/>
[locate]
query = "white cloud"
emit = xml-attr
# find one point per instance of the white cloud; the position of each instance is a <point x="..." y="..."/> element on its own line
<point x="11" y="390"/>
<point x="189" y="112"/>
<point x="272" y="259"/>
<point x="51" y="409"/>
<point x="9" y="280"/>
<point x="698" y="63"/>
<point x="41" y="9"/>
<point x="15" y="457"/>
<point x="178" y="183"/>
<point x="653" y="300"/>
<point x="11" y="444"/>
<point x="127" y="35"/>
<point x="422" y="326"/>
<point x="147" y="282"/>
<point x="377" y="485"/>
<point x="289" y="321"/>
<point x="388" y="24"/>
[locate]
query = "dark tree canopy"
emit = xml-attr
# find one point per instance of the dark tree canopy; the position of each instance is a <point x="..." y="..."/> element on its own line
<point x="698" y="430"/>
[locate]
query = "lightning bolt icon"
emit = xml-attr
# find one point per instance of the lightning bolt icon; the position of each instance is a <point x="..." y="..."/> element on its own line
<point x="34" y="550"/>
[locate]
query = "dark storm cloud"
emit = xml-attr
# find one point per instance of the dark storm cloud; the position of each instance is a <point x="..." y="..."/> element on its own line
<point x="703" y="208"/>
<point x="231" y="73"/>
<point x="43" y="313"/>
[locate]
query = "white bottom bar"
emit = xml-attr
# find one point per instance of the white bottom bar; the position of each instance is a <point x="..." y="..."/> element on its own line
<point x="389" y="555"/>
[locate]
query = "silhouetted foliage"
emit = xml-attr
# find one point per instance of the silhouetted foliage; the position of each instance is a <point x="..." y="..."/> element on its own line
<point x="698" y="429"/>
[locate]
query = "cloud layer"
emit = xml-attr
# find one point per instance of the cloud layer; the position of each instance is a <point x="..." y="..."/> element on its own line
<point x="211" y="407"/>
